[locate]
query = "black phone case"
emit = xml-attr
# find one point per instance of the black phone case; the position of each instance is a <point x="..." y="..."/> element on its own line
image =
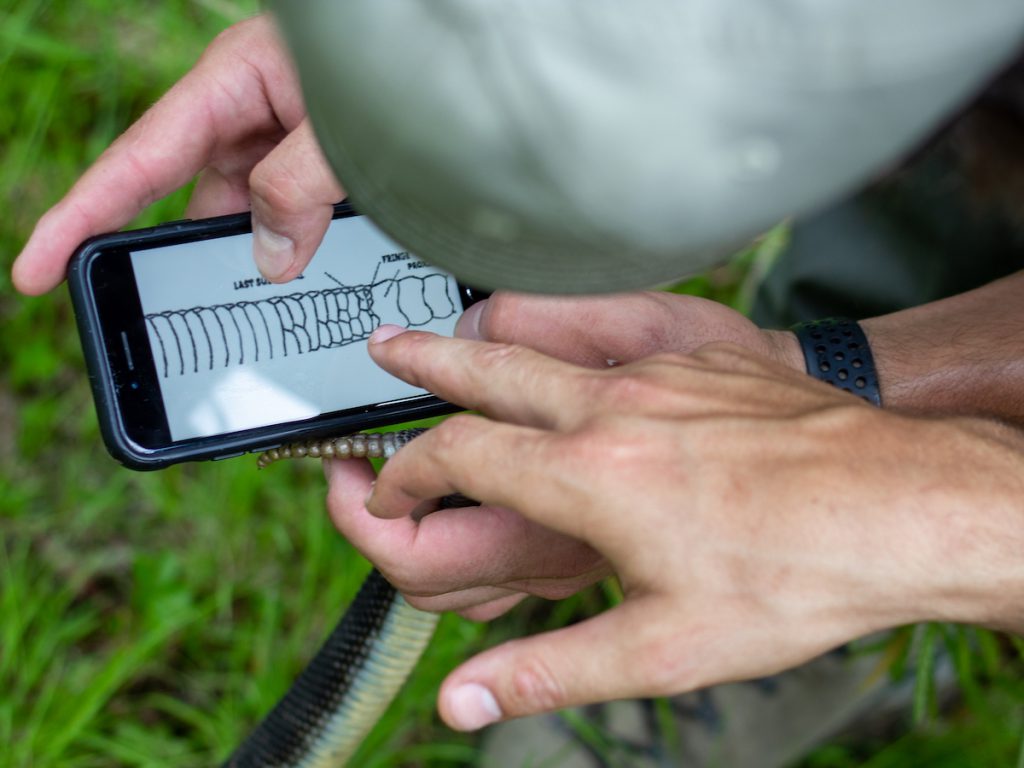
<point x="111" y="423"/>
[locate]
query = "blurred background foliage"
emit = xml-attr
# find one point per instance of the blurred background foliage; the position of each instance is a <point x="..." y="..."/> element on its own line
<point x="151" y="619"/>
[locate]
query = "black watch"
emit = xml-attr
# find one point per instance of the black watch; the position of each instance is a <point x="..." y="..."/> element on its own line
<point x="837" y="351"/>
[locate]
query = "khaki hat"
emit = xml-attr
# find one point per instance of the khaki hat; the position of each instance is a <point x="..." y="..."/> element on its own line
<point x="601" y="145"/>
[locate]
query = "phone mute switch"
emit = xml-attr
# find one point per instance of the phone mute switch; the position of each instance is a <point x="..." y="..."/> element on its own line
<point x="229" y="456"/>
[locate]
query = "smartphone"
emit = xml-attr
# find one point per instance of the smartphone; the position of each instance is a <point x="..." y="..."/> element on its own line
<point x="192" y="355"/>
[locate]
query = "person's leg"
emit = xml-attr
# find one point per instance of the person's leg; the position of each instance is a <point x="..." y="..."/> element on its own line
<point x="756" y="724"/>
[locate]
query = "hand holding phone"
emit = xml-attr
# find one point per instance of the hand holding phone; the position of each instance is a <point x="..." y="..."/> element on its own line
<point x="193" y="355"/>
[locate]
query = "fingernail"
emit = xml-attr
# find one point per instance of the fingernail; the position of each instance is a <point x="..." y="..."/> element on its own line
<point x="472" y="706"/>
<point x="328" y="469"/>
<point x="385" y="332"/>
<point x="369" y="495"/>
<point x="274" y="253"/>
<point x="468" y="326"/>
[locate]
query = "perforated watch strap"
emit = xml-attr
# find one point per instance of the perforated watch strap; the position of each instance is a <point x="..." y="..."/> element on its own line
<point x="837" y="351"/>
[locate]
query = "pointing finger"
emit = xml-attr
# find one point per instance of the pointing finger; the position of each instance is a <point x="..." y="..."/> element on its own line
<point x="507" y="382"/>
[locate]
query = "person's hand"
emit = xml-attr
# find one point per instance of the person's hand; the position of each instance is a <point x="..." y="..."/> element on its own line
<point x="477" y="561"/>
<point x="596" y="331"/>
<point x="238" y="120"/>
<point x="482" y="562"/>
<point x="755" y="516"/>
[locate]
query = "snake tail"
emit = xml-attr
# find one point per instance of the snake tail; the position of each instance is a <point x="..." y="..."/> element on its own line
<point x="347" y="686"/>
<point x="378" y="445"/>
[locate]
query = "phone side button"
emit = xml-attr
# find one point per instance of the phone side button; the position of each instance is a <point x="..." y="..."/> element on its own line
<point x="229" y="456"/>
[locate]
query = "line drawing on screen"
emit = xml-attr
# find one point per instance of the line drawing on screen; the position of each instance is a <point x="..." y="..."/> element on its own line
<point x="205" y="338"/>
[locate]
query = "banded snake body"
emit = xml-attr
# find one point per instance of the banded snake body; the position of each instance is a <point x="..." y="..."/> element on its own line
<point x="357" y="672"/>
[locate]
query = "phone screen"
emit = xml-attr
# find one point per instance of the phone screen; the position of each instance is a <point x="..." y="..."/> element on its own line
<point x="234" y="352"/>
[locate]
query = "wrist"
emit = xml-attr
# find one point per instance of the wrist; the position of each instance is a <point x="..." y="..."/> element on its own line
<point x="907" y="368"/>
<point x="783" y="347"/>
<point x="928" y="364"/>
<point x="957" y="356"/>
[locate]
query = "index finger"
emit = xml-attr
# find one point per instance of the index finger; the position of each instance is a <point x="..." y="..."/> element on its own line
<point x="214" y="105"/>
<point x="504" y="381"/>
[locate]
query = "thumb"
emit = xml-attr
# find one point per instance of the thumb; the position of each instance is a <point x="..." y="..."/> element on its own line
<point x="293" y="194"/>
<point x="604" y="658"/>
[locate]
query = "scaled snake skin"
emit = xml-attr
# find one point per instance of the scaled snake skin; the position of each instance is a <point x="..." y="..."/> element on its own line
<point x="357" y="672"/>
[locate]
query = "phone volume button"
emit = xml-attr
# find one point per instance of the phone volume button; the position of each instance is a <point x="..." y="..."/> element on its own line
<point x="229" y="456"/>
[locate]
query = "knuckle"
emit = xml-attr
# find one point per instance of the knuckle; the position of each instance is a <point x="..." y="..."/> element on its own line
<point x="224" y="40"/>
<point x="608" y="442"/>
<point x="236" y="37"/>
<point x="506" y="363"/>
<point x="534" y="686"/>
<point x="403" y="575"/>
<point x="620" y="391"/>
<point x="500" y="356"/>
<point x="401" y="580"/>
<point x="636" y="387"/>
<point x="273" y="185"/>
<point x="666" y="664"/>
<point x="663" y="671"/>
<point x="453" y="432"/>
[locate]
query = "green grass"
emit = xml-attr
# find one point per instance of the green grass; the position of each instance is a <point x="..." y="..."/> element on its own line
<point x="145" y="619"/>
<point x="151" y="619"/>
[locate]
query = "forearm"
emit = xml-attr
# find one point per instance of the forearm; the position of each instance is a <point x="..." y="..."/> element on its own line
<point x="963" y="355"/>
